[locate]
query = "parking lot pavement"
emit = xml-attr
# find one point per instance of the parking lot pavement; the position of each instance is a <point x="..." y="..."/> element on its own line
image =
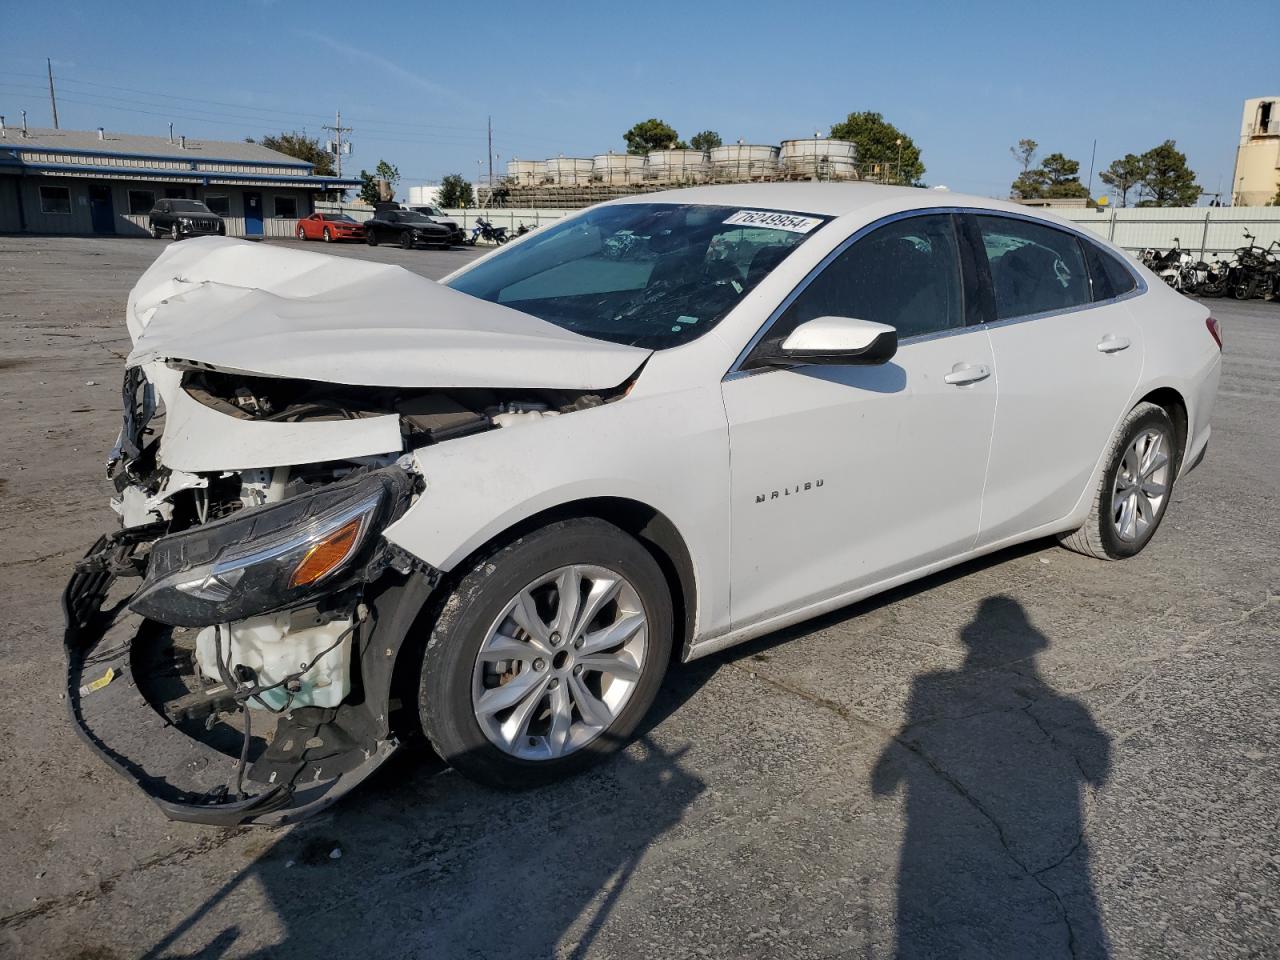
<point x="1036" y="755"/>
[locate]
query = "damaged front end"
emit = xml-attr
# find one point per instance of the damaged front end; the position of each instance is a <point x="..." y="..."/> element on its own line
<point x="232" y="647"/>
<point x="243" y="677"/>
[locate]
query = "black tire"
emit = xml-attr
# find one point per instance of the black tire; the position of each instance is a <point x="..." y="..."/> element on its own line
<point x="327" y="236"/>
<point x="156" y="232"/>
<point x="445" y="697"/>
<point x="174" y="234"/>
<point x="1099" y="536"/>
<point x="370" y="238"/>
<point x="301" y="233"/>
<point x="406" y="239"/>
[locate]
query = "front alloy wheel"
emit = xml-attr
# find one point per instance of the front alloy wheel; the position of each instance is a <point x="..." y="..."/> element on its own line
<point x="560" y="663"/>
<point x="547" y="654"/>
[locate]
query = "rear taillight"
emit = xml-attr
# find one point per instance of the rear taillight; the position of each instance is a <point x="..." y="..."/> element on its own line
<point x="1215" y="331"/>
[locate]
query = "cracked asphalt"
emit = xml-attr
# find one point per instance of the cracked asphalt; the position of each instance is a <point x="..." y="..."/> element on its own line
<point x="1036" y="755"/>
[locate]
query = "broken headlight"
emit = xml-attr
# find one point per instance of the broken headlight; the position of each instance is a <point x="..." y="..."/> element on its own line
<point x="271" y="557"/>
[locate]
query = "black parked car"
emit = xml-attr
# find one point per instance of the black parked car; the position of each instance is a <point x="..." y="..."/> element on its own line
<point x="409" y="228"/>
<point x="180" y="218"/>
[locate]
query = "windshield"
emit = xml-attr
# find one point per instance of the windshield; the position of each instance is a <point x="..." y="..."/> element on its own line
<point x="430" y="211"/>
<point x="412" y="216"/>
<point x="338" y="218"/>
<point x="189" y="206"/>
<point x="653" y="275"/>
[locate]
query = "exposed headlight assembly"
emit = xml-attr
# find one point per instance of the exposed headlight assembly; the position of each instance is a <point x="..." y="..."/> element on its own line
<point x="272" y="557"/>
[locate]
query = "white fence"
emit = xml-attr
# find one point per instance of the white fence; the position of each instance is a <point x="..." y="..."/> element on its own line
<point x="1206" y="231"/>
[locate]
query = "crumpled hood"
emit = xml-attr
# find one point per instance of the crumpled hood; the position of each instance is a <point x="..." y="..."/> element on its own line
<point x="252" y="308"/>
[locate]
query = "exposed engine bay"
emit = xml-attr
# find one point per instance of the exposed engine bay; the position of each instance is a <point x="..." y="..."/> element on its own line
<point x="276" y="405"/>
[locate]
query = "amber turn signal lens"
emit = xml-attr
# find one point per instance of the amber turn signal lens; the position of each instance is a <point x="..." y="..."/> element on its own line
<point x="326" y="555"/>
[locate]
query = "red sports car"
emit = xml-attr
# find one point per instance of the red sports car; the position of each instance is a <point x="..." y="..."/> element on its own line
<point x="329" y="227"/>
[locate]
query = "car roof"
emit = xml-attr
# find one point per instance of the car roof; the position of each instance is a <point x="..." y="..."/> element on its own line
<point x="834" y="199"/>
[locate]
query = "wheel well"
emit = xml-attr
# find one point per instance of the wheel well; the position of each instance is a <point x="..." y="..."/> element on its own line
<point x="651" y="528"/>
<point x="1176" y="407"/>
<point x="655" y="532"/>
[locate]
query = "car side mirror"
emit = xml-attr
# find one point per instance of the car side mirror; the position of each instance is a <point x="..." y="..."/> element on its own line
<point x="833" y="341"/>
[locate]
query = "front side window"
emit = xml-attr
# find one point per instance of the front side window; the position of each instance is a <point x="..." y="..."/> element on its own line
<point x="55" y="200"/>
<point x="218" y="203"/>
<point x="1110" y="278"/>
<point x="655" y="275"/>
<point x="905" y="274"/>
<point x="1034" y="268"/>
<point x="287" y="208"/>
<point x="141" y="201"/>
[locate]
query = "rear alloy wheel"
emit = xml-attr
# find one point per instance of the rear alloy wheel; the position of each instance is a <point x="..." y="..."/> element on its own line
<point x="1134" y="491"/>
<point x="547" y="655"/>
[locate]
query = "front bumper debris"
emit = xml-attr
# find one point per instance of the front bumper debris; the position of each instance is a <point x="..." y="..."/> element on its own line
<point x="131" y="700"/>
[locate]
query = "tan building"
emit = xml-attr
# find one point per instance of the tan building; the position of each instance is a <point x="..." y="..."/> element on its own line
<point x="1257" y="175"/>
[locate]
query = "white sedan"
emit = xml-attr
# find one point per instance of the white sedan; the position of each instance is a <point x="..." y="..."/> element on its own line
<point x="496" y="507"/>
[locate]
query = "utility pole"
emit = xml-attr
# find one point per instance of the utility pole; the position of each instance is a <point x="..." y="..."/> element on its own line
<point x="53" y="100"/>
<point x="338" y="130"/>
<point x="1092" y="156"/>
<point x="491" y="153"/>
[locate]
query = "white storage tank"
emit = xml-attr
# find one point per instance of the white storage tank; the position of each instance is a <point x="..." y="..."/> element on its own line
<point x="678" y="166"/>
<point x="820" y="158"/>
<point x="744" y="161"/>
<point x="526" y="173"/>
<point x="569" y="170"/>
<point x="617" y="168"/>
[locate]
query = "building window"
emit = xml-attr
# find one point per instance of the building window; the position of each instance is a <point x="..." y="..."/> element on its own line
<point x="55" y="200"/>
<point x="219" y="203"/>
<point x="141" y="201"/>
<point x="287" y="208"/>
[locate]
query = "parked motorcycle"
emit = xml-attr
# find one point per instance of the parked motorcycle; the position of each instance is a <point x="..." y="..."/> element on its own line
<point x="1257" y="270"/>
<point x="1217" y="278"/>
<point x="522" y="229"/>
<point x="484" y="230"/>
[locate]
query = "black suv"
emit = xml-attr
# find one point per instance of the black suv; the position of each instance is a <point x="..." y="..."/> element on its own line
<point x="180" y="218"/>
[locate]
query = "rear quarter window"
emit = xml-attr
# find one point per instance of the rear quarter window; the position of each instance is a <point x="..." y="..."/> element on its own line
<point x="1110" y="277"/>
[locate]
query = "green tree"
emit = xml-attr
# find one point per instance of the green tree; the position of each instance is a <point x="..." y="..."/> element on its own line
<point x="1062" y="177"/>
<point x="1167" y="181"/>
<point x="299" y="145"/>
<point x="648" y="135"/>
<point x="1123" y="175"/>
<point x="369" y="181"/>
<point x="1029" y="185"/>
<point x="881" y="143"/>
<point x="1025" y="153"/>
<point x="455" y="192"/>
<point x="706" y="140"/>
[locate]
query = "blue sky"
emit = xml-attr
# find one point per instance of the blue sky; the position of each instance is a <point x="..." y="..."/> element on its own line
<point x="417" y="80"/>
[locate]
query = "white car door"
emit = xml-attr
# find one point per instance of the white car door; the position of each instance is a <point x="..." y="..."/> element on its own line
<point x="844" y="476"/>
<point x="1067" y="365"/>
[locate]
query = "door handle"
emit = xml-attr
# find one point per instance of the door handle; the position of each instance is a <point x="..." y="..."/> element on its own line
<point x="965" y="373"/>
<point x="1112" y="344"/>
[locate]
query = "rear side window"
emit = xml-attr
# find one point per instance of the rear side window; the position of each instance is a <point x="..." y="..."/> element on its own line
<point x="905" y="274"/>
<point x="1109" y="276"/>
<point x="1034" y="268"/>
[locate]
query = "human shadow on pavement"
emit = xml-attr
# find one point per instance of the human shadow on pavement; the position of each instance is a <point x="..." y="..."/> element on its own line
<point x="994" y="764"/>
<point x="432" y="865"/>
